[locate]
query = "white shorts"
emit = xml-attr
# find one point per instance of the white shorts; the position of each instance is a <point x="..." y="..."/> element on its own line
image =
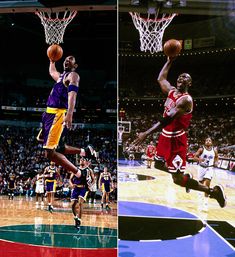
<point x="205" y="173"/>
<point x="39" y="189"/>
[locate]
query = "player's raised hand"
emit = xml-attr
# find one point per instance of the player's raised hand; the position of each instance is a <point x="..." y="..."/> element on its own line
<point x="141" y="137"/>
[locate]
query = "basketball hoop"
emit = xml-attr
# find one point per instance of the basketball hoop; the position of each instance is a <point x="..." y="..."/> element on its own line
<point x="151" y="30"/>
<point x="55" y="24"/>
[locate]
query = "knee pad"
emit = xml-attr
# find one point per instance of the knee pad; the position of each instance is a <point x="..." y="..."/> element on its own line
<point x="159" y="163"/>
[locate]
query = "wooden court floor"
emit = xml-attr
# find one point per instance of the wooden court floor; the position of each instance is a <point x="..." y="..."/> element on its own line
<point x="161" y="190"/>
<point x="22" y="210"/>
<point x="27" y="230"/>
<point x="158" y="218"/>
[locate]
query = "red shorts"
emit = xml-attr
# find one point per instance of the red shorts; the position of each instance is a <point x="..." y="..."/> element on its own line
<point x="150" y="156"/>
<point x="173" y="148"/>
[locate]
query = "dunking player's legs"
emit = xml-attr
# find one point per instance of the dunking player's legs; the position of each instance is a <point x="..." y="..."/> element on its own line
<point x="59" y="156"/>
<point x="207" y="183"/>
<point x="61" y="160"/>
<point x="73" y="150"/>
<point x="185" y="181"/>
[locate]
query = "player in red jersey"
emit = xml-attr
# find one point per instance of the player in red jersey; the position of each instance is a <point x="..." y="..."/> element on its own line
<point x="150" y="153"/>
<point x="172" y="143"/>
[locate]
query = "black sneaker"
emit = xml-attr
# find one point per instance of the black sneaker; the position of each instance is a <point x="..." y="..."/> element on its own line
<point x="77" y="223"/>
<point x="90" y="153"/>
<point x="107" y="208"/>
<point x="50" y="208"/>
<point x="217" y="192"/>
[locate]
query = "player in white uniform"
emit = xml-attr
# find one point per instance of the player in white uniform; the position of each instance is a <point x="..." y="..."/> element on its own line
<point x="207" y="158"/>
<point x="39" y="190"/>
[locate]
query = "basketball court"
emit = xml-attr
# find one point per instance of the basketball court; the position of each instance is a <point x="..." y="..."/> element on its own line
<point x="27" y="229"/>
<point x="157" y="217"/>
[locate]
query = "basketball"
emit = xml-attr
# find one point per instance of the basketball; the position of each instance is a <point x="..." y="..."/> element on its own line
<point x="54" y="52"/>
<point x="172" y="47"/>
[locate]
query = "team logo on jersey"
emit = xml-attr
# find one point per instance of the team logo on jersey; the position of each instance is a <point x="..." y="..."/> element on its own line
<point x="177" y="162"/>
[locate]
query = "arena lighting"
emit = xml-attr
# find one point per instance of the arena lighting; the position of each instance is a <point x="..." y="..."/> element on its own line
<point x="57" y="3"/>
<point x="194" y="52"/>
<point x="183" y="3"/>
<point x="135" y="2"/>
<point x="168" y="4"/>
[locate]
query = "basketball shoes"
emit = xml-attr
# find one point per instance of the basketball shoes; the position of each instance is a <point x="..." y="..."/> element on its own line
<point x="217" y="192"/>
<point x="77" y="223"/>
<point x="90" y="153"/>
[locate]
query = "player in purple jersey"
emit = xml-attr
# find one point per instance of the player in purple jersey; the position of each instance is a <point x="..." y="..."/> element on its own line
<point x="106" y="186"/>
<point x="51" y="173"/>
<point x="57" y="118"/>
<point x="80" y="189"/>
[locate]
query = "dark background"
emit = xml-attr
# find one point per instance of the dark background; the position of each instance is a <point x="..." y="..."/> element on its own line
<point x="24" y="78"/>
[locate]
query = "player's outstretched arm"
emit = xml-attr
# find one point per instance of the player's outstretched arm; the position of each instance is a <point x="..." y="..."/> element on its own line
<point x="162" y="77"/>
<point x="182" y="107"/>
<point x="53" y="71"/>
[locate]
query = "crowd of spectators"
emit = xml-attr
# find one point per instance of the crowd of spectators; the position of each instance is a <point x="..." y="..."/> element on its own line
<point x="219" y="127"/>
<point x="22" y="156"/>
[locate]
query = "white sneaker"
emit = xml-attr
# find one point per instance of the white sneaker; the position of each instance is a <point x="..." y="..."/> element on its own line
<point x="42" y="203"/>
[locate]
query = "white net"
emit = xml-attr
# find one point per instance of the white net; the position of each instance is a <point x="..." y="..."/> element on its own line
<point x="55" y="24"/>
<point x="151" y="30"/>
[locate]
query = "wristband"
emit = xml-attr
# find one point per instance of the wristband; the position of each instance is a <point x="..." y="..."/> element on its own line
<point x="72" y="88"/>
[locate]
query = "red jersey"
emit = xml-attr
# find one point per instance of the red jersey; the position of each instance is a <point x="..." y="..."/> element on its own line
<point x="150" y="151"/>
<point x="172" y="143"/>
<point x="182" y="122"/>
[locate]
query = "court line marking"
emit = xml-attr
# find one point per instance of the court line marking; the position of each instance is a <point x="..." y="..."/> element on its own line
<point x="52" y="232"/>
<point x="223" y="239"/>
<point x="162" y="217"/>
<point x="47" y="246"/>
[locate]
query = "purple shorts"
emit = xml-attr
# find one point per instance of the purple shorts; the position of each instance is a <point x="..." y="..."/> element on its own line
<point x="79" y="192"/>
<point x="50" y="186"/>
<point x="52" y="128"/>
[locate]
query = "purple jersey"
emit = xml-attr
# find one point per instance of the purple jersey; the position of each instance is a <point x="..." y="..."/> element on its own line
<point x="81" y="189"/>
<point x="58" y="97"/>
<point x="83" y="179"/>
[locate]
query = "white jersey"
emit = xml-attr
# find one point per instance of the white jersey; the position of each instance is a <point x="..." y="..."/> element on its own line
<point x="39" y="185"/>
<point x="39" y="181"/>
<point x="206" y="170"/>
<point x="208" y="156"/>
